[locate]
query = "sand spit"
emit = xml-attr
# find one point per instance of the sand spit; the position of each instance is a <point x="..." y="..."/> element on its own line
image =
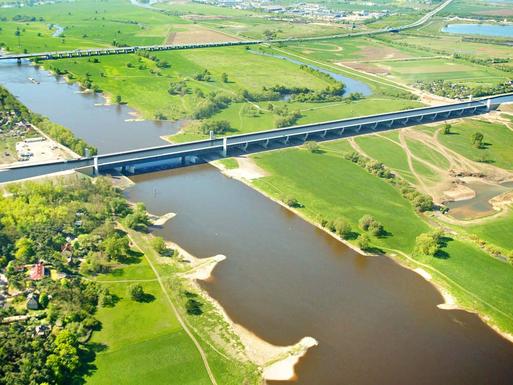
<point x="247" y="169"/>
<point x="277" y="362"/>
<point x="160" y="221"/>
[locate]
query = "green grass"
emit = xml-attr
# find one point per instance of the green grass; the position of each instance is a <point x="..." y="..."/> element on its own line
<point x="229" y="163"/>
<point x="338" y="192"/>
<point x="142" y="343"/>
<point x="87" y="23"/>
<point x="451" y="70"/>
<point x="148" y="92"/>
<point x="427" y="153"/>
<point x="388" y="153"/>
<point x="496" y="231"/>
<point x="498" y="140"/>
<point x="478" y="281"/>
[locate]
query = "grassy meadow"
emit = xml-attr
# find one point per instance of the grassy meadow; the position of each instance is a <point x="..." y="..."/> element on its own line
<point x="462" y="267"/>
<point x="497" y="142"/>
<point x="143" y="342"/>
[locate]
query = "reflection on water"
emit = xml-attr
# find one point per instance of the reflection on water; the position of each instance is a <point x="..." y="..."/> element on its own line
<point x="479" y="206"/>
<point x="284" y="279"/>
<point x="109" y="128"/>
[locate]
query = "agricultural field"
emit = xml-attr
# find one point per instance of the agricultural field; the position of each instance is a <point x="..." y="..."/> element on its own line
<point x="479" y="9"/>
<point x="86" y="24"/>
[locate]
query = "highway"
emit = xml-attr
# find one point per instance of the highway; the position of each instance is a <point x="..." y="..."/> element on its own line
<point x="351" y="126"/>
<point x="52" y="55"/>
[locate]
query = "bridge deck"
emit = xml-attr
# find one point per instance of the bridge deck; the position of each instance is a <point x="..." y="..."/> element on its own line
<point x="386" y="121"/>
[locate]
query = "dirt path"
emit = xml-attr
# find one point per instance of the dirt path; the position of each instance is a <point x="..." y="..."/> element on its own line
<point x="409" y="157"/>
<point x="177" y="314"/>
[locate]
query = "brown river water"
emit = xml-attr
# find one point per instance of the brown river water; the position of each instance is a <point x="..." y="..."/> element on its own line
<point x="376" y="322"/>
<point x="283" y="279"/>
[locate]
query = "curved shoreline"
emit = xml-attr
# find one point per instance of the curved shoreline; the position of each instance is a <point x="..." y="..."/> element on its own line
<point x="450" y="302"/>
<point x="275" y="362"/>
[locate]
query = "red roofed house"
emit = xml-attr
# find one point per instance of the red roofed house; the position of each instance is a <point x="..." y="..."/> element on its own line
<point x="37" y="272"/>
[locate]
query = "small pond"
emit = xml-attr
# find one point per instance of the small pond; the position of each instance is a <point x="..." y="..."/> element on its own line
<point x="479" y="206"/>
<point x="480" y="29"/>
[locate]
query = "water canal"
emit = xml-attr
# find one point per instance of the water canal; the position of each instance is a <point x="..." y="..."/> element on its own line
<point x="376" y="323"/>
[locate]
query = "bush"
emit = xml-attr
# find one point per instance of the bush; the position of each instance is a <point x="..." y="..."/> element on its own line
<point x="428" y="244"/>
<point x="311" y="146"/>
<point x="136" y="293"/>
<point x="363" y="242"/>
<point x="216" y="126"/>
<point x="291" y="201"/>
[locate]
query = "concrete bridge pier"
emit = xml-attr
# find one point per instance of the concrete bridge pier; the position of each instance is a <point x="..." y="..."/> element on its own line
<point x="358" y="128"/>
<point x="286" y="139"/>
<point x="341" y="131"/>
<point x="390" y="123"/>
<point x="266" y="143"/>
<point x="95" y="166"/>
<point x="244" y="147"/>
<point x="489" y="104"/>
<point x="305" y="137"/>
<point x="183" y="160"/>
<point x="225" y="147"/>
<point x="323" y="135"/>
<point x="374" y="126"/>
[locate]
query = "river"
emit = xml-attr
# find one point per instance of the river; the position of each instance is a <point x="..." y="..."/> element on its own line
<point x="376" y="322"/>
<point x="109" y="128"/>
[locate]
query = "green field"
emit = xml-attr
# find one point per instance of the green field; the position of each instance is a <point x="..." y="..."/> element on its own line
<point x="143" y="342"/>
<point x="86" y="23"/>
<point x="497" y="142"/>
<point x="496" y="231"/>
<point x="465" y="270"/>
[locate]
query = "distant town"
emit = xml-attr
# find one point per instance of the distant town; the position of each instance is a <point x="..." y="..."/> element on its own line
<point x="312" y="11"/>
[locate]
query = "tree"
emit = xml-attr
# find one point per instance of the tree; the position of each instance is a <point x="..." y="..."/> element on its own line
<point x="216" y="126"/>
<point x="25" y="252"/>
<point x="447" y="129"/>
<point x="343" y="228"/>
<point x="363" y="242"/>
<point x="160" y="246"/>
<point x="136" y="293"/>
<point x="118" y="99"/>
<point x="428" y="244"/>
<point x="423" y="203"/>
<point x="116" y="246"/>
<point x="312" y="146"/>
<point x="224" y="77"/>
<point x="477" y="139"/>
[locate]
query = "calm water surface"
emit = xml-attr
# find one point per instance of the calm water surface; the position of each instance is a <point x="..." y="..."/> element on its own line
<point x="478" y="206"/>
<point x="284" y="279"/>
<point x="109" y="128"/>
<point x="480" y="29"/>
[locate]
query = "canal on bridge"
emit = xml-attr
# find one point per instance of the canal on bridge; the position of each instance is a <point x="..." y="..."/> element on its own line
<point x="376" y="322"/>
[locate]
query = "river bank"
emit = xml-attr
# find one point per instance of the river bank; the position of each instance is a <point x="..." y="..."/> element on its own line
<point x="249" y="171"/>
<point x="275" y="362"/>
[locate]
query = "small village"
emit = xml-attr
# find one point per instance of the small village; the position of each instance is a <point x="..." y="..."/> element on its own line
<point x="304" y="11"/>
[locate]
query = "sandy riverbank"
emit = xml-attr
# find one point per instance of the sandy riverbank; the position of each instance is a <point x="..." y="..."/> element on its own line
<point x="276" y="362"/>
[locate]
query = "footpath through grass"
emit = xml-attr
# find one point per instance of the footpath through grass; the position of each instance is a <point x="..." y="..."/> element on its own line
<point x="144" y="342"/>
<point x="329" y="186"/>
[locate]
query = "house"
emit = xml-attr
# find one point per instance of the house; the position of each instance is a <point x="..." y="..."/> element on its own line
<point x="42" y="330"/>
<point x="33" y="301"/>
<point x="37" y="272"/>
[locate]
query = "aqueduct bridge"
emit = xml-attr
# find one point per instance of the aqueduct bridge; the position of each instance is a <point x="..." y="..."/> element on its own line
<point x="259" y="141"/>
